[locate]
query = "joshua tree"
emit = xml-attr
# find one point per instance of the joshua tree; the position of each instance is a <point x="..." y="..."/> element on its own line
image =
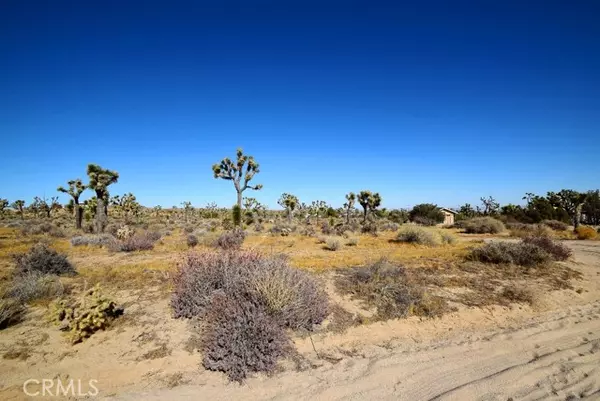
<point x="127" y="206"/>
<point x="369" y="201"/>
<point x="234" y="171"/>
<point x="187" y="209"/>
<point x="571" y="201"/>
<point x="100" y="179"/>
<point x="318" y="208"/>
<point x="3" y="206"/>
<point x="19" y="205"/>
<point x="349" y="205"/>
<point x="289" y="203"/>
<point x="490" y="206"/>
<point x="75" y="190"/>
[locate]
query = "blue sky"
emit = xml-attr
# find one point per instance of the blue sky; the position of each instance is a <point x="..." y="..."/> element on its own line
<point x="420" y="101"/>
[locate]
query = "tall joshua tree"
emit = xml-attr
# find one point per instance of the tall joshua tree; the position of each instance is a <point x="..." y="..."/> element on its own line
<point x="240" y="172"/>
<point x="289" y="202"/>
<point x="349" y="205"/>
<point x="76" y="188"/>
<point x="100" y="179"/>
<point x="369" y="201"/>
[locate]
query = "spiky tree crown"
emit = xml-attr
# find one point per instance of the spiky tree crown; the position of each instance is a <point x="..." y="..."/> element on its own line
<point x="288" y="201"/>
<point x="350" y="198"/>
<point x="101" y="178"/>
<point x="229" y="170"/>
<point x="369" y="200"/>
<point x="76" y="188"/>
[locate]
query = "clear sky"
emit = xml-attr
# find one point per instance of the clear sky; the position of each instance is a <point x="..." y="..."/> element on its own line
<point x="439" y="102"/>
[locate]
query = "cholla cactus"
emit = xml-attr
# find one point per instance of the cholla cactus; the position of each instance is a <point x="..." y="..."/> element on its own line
<point x="100" y="179"/>
<point x="244" y="168"/>
<point x="289" y="202"/>
<point x="125" y="233"/>
<point x="75" y="190"/>
<point x="369" y="201"/>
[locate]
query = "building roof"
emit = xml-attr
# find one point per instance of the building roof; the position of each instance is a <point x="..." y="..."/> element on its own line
<point x="449" y="210"/>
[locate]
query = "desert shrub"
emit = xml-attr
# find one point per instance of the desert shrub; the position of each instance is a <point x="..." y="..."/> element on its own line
<point x="387" y="288"/>
<point x="139" y="242"/>
<point x="390" y="226"/>
<point x="11" y="311"/>
<point x="520" y="253"/>
<point x="556" y="225"/>
<point x="282" y="229"/>
<point x="289" y="294"/>
<point x="447" y="238"/>
<point x="352" y="241"/>
<point x="192" y="241"/>
<point x="515" y="293"/>
<point x="93" y="240"/>
<point x="241" y="338"/>
<point x="370" y="227"/>
<point x="426" y="214"/>
<point x="341" y="320"/>
<point x="227" y="223"/>
<point x="231" y="240"/>
<point x="332" y="244"/>
<point x="42" y="259"/>
<point x="125" y="232"/>
<point x="418" y="235"/>
<point x="558" y="250"/>
<point x="521" y="230"/>
<point x="188" y="229"/>
<point x="484" y="225"/>
<point x="343" y="229"/>
<point x="258" y="227"/>
<point x="585" y="232"/>
<point x="321" y="239"/>
<point x="34" y="285"/>
<point x="308" y="231"/>
<point x="112" y="229"/>
<point x="326" y="228"/>
<point x="153" y="235"/>
<point x="82" y="318"/>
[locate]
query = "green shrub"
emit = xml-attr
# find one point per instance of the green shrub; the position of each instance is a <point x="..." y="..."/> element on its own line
<point x="426" y="214"/>
<point x="42" y="259"/>
<point x="484" y="225"/>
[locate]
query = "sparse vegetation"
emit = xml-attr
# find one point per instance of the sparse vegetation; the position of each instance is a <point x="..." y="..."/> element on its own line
<point x="424" y="236"/>
<point x="585" y="232"/>
<point x="332" y="244"/>
<point x="44" y="260"/>
<point x="484" y="225"/>
<point x="83" y="318"/>
<point x="231" y="240"/>
<point x="520" y="253"/>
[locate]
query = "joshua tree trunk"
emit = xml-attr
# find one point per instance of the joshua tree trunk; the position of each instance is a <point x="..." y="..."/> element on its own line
<point x="78" y="216"/>
<point x="289" y="216"/>
<point x="239" y="199"/>
<point x="577" y="216"/>
<point x="101" y="218"/>
<point x="365" y="215"/>
<point x="347" y="216"/>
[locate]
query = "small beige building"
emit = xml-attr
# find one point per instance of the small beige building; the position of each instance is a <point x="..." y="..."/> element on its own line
<point x="448" y="217"/>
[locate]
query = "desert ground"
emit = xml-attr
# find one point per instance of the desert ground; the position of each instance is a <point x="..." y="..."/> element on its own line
<point x="487" y="349"/>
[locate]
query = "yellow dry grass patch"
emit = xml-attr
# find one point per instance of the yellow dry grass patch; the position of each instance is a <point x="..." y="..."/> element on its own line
<point x="306" y="252"/>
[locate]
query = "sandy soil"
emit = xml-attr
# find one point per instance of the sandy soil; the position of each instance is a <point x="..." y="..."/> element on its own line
<point x="548" y="351"/>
